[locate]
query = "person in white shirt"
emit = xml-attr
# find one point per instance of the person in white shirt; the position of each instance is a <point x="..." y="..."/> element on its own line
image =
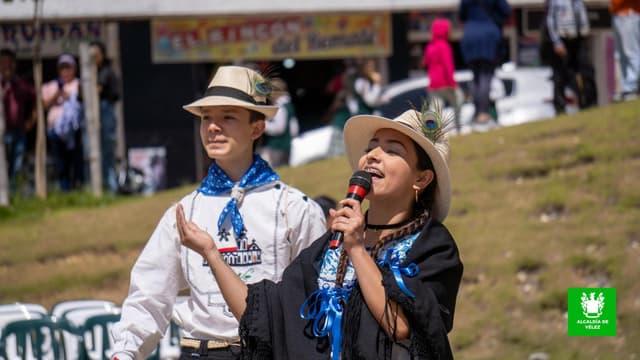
<point x="259" y="223"/>
<point x="280" y="129"/>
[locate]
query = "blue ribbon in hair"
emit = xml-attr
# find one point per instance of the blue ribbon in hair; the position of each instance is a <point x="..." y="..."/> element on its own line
<point x="393" y="262"/>
<point x="217" y="182"/>
<point x="324" y="307"/>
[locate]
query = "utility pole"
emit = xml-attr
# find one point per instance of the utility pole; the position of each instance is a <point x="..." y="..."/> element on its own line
<point x="41" y="136"/>
<point x="4" y="178"/>
<point x="91" y="105"/>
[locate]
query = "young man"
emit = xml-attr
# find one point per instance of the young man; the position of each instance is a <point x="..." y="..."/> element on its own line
<point x="260" y="224"/>
<point x="569" y="28"/>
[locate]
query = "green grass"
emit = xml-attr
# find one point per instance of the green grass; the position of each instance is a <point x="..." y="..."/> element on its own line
<point x="537" y="208"/>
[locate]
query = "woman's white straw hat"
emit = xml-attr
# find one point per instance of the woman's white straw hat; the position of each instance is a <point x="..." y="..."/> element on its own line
<point x="236" y="86"/>
<point x="426" y="128"/>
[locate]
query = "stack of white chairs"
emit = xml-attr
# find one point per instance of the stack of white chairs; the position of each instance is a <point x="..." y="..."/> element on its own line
<point x="86" y="324"/>
<point x="80" y="330"/>
<point x="27" y="333"/>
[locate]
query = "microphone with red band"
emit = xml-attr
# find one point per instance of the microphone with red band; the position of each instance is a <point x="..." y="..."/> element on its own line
<point x="359" y="186"/>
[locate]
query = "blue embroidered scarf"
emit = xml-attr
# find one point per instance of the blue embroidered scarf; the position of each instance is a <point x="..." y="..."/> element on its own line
<point x="325" y="306"/>
<point x="217" y="182"/>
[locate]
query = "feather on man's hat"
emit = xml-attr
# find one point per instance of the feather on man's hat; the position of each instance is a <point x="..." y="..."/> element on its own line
<point x="236" y="86"/>
<point x="426" y="128"/>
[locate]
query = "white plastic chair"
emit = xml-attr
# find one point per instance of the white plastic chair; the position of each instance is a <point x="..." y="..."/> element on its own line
<point x="31" y="339"/>
<point x="20" y="311"/>
<point x="60" y="309"/>
<point x="72" y="316"/>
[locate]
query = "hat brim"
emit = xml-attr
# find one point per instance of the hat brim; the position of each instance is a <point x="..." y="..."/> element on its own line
<point x="359" y="130"/>
<point x="195" y="107"/>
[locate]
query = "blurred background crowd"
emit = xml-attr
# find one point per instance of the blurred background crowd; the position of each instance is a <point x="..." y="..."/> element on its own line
<point x="490" y="62"/>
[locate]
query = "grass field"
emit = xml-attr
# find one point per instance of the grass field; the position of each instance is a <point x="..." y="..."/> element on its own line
<point x="537" y="208"/>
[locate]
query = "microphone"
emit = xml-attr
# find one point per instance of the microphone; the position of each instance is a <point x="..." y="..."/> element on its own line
<point x="359" y="186"/>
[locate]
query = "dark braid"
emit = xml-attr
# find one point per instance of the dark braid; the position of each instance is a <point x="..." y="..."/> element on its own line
<point x="342" y="268"/>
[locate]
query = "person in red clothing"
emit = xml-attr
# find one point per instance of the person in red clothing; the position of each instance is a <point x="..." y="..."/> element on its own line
<point x="438" y="60"/>
<point x="18" y="97"/>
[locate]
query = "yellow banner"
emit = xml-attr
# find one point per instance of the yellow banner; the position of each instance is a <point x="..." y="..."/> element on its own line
<point x="271" y="38"/>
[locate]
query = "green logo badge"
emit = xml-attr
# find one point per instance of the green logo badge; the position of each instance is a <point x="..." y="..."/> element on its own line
<point x="592" y="312"/>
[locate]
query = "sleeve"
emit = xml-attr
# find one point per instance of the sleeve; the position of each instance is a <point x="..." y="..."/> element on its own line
<point x="156" y="278"/>
<point x="435" y="288"/>
<point x="49" y="90"/>
<point x="552" y="28"/>
<point x="306" y="221"/>
<point x="277" y="125"/>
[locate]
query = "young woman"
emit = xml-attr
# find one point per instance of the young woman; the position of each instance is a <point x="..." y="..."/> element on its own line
<point x="389" y="291"/>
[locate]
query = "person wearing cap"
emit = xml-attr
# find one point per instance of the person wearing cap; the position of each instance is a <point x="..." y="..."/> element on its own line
<point x="389" y="291"/>
<point x="64" y="115"/>
<point x="259" y="224"/>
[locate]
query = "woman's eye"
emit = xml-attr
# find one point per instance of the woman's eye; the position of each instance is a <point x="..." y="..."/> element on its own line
<point x="367" y="150"/>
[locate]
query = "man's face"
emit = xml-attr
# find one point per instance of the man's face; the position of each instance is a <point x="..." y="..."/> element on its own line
<point x="7" y="67"/>
<point x="227" y="133"/>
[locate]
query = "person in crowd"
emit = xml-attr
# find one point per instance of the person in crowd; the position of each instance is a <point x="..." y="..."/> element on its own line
<point x="438" y="60"/>
<point x="259" y="223"/>
<point x="389" y="290"/>
<point x="64" y="121"/>
<point x="481" y="48"/>
<point x="568" y="27"/>
<point x="18" y="97"/>
<point x="282" y="127"/>
<point x="359" y="94"/>
<point x="367" y="88"/>
<point x="109" y="93"/>
<point x="626" y="29"/>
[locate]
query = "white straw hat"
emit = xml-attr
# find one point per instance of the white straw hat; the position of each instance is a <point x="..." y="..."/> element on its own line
<point x="426" y="128"/>
<point x="236" y="86"/>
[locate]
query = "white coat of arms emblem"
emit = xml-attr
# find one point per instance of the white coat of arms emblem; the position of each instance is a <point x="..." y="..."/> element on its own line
<point x="592" y="306"/>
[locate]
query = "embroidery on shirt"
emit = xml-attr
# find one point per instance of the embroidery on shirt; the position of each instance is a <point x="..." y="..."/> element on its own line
<point x="243" y="253"/>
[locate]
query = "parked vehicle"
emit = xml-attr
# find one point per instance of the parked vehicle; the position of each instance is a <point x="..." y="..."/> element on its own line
<point x="519" y="95"/>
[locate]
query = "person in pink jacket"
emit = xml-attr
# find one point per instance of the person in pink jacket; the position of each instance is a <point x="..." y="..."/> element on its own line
<point x="438" y="60"/>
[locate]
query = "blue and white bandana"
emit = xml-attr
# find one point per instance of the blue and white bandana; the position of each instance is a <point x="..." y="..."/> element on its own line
<point x="217" y="182"/>
<point x="325" y="306"/>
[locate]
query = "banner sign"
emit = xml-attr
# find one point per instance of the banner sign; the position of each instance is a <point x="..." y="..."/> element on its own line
<point x="56" y="38"/>
<point x="271" y="38"/>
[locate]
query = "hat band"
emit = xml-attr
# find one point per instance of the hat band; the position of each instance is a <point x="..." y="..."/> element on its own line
<point x="232" y="93"/>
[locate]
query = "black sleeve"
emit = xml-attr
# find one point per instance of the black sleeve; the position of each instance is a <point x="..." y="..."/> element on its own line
<point x="435" y="288"/>
<point x="271" y="327"/>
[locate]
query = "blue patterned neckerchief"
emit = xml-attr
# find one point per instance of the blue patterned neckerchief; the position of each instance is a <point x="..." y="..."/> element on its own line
<point x="325" y="306"/>
<point x="217" y="182"/>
